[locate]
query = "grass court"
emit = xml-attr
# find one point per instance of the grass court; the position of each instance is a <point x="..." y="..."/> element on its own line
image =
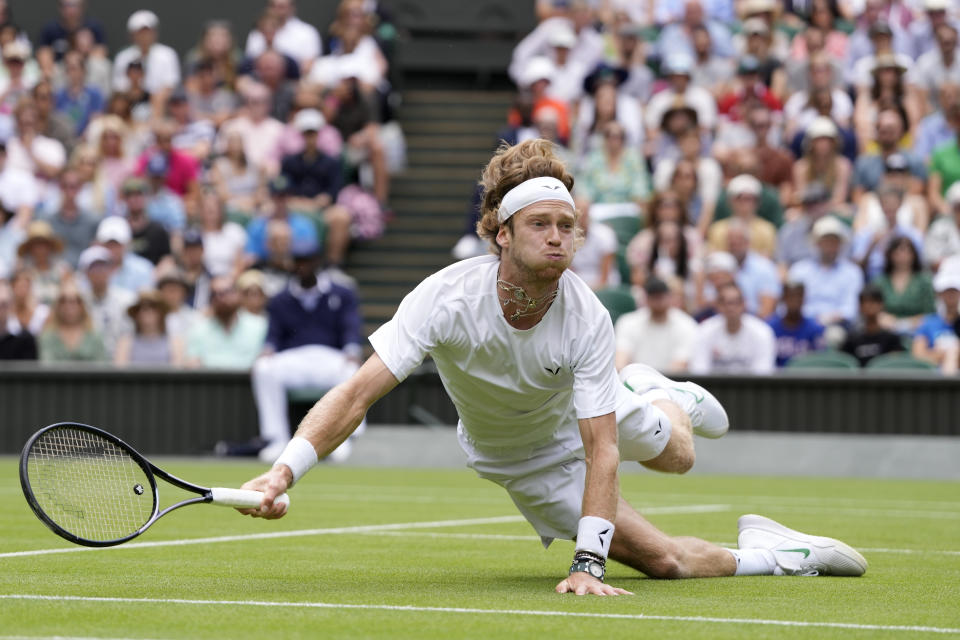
<point x="391" y="553"/>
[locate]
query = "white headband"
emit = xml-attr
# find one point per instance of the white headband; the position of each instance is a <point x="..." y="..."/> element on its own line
<point x="533" y="190"/>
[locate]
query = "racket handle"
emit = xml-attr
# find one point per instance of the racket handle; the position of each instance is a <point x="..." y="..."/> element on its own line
<point x="242" y="498"/>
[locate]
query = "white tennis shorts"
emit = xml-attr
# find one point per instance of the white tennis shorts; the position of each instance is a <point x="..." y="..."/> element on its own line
<point x="546" y="481"/>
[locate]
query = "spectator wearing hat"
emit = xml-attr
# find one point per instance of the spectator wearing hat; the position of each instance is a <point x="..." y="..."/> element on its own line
<point x="677" y="69"/>
<point x="227" y="337"/>
<point x="536" y="80"/>
<point x="223" y="241"/>
<point x="131" y="271"/>
<point x="743" y="193"/>
<point x="870" y="166"/>
<point x="160" y="63"/>
<point x="659" y="335"/>
<point x="885" y="91"/>
<point x="588" y="49"/>
<point x="69" y="335"/>
<point x="631" y="56"/>
<point x="760" y="46"/>
<point x="182" y="169"/>
<point x="868" y="338"/>
<point x="907" y="287"/>
<point x="733" y="342"/>
<point x="149" y="239"/>
<point x="864" y="38"/>
<point x="913" y="210"/>
<point x="603" y="104"/>
<point x="936" y="339"/>
<point x="796" y="333"/>
<point x="57" y="36"/>
<point x="293" y="37"/>
<point x="822" y="95"/>
<point x="106" y="302"/>
<point x="41" y="253"/>
<point x="262" y="134"/>
<point x="19" y="74"/>
<point x="174" y="289"/>
<point x="302" y="229"/>
<point x="795" y="241"/>
<point x="253" y="292"/>
<point x="20" y="345"/>
<point x="77" y="100"/>
<point x="870" y="243"/>
<point x="148" y="344"/>
<point x="861" y="75"/>
<point x="945" y="164"/>
<point x="313" y="340"/>
<point x="73" y="225"/>
<point x="822" y="162"/>
<point x="943" y="236"/>
<point x="769" y="12"/>
<point x="831" y="282"/>
<point x="315" y="180"/>
<point x="939" y="66"/>
<point x="922" y="30"/>
<point x="567" y="83"/>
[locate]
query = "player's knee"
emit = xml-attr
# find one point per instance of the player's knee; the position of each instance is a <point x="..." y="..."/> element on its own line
<point x="684" y="459"/>
<point x="666" y="566"/>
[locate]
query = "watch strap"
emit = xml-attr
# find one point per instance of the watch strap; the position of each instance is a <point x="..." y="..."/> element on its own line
<point x="594" y="568"/>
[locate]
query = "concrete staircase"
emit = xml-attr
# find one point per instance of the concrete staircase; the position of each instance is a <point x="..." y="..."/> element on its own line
<point x="450" y="136"/>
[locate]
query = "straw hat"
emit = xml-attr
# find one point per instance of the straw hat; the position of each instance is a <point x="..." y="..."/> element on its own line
<point x="151" y="297"/>
<point x="40" y="231"/>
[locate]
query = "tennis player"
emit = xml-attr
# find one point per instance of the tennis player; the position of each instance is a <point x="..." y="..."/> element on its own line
<point x="526" y="352"/>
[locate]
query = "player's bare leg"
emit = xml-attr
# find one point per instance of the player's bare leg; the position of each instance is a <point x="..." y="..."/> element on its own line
<point x="678" y="456"/>
<point x="640" y="545"/>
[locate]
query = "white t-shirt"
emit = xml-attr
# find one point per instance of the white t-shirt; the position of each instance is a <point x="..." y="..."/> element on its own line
<point x="657" y="344"/>
<point x="600" y="242"/>
<point x="511" y="387"/>
<point x="752" y="350"/>
<point x="161" y="68"/>
<point x="295" y="38"/>
<point x="220" y="248"/>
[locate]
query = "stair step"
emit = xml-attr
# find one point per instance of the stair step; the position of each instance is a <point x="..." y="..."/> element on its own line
<point x="419" y="96"/>
<point x="466" y="127"/>
<point x="471" y="158"/>
<point x="436" y="188"/>
<point x="428" y="224"/>
<point x="430" y="142"/>
<point x="414" y="241"/>
<point x="392" y="259"/>
<point x="495" y="113"/>
<point x="404" y="206"/>
<point x="410" y="276"/>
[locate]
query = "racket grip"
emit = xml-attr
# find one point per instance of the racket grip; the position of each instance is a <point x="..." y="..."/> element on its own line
<point x="242" y="498"/>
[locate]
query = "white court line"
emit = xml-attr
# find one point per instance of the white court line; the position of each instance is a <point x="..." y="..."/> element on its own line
<point x="63" y="638"/>
<point x="499" y="612"/>
<point x="693" y="508"/>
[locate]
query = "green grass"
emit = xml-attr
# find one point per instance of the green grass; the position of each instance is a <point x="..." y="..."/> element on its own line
<point x="909" y="531"/>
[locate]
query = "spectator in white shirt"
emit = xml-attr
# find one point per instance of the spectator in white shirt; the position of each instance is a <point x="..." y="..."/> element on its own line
<point x="161" y="65"/>
<point x="733" y="342"/>
<point x="595" y="260"/>
<point x="659" y="335"/>
<point x="294" y="38"/>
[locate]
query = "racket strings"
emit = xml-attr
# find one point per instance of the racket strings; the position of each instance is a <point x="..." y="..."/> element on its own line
<point x="89" y="486"/>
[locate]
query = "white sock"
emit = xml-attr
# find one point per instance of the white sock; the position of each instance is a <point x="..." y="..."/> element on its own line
<point x="754" y="562"/>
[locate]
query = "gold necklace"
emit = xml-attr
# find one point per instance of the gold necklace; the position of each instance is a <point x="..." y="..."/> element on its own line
<point x="526" y="305"/>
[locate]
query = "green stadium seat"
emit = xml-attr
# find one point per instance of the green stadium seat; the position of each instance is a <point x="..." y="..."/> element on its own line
<point x="241" y="218"/>
<point x="823" y="360"/>
<point x="900" y="360"/>
<point x="624" y="226"/>
<point x="617" y="300"/>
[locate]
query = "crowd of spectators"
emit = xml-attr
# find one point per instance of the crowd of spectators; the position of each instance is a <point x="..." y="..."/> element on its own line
<point x="790" y="169"/>
<point x="154" y="206"/>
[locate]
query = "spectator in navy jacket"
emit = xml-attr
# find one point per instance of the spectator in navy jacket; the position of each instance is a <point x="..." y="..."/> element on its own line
<point x="313" y="340"/>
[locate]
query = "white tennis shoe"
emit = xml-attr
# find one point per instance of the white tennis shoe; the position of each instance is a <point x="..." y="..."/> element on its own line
<point x="799" y="554"/>
<point x="707" y="415"/>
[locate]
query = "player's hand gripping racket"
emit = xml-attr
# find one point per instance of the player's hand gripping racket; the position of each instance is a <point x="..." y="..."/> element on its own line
<point x="93" y="489"/>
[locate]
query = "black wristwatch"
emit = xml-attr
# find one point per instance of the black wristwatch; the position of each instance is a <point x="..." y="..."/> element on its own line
<point x="594" y="568"/>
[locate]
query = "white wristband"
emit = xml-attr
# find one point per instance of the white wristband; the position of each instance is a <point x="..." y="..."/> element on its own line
<point x="300" y="456"/>
<point x="594" y="535"/>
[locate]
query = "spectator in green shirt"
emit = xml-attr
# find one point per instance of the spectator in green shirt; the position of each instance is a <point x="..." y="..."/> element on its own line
<point x="229" y="337"/>
<point x="907" y="289"/>
<point x="69" y="334"/>
<point x="945" y="165"/>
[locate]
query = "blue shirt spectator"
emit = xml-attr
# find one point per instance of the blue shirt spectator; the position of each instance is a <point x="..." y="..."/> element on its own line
<point x="932" y="132"/>
<point x="301" y="228"/>
<point x="759" y="283"/>
<point x="832" y="284"/>
<point x="796" y="333"/>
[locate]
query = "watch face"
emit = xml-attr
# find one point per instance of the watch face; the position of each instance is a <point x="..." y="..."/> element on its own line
<point x="596" y="570"/>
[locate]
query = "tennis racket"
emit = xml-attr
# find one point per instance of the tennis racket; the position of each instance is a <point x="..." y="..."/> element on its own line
<point x="92" y="488"/>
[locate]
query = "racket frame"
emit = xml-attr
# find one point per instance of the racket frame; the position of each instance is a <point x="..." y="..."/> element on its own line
<point x="150" y="470"/>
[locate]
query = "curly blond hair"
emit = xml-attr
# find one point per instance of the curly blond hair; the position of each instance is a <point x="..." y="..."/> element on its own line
<point x="510" y="166"/>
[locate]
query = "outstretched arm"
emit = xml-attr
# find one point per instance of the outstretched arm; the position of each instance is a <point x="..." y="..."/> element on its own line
<point x="325" y="427"/>
<point x="600" y="496"/>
